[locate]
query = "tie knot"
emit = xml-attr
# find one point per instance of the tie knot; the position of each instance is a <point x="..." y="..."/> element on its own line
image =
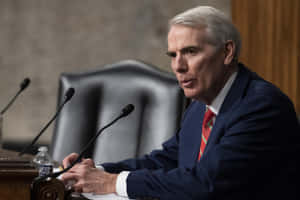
<point x="208" y="116"/>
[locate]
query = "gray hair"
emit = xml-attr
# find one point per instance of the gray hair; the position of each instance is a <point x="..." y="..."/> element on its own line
<point x="219" y="27"/>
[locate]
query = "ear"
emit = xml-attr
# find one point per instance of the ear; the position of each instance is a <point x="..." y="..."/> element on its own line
<point x="229" y="51"/>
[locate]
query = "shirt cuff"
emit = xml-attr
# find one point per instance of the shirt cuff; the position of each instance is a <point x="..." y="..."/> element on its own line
<point x="100" y="167"/>
<point x="121" y="185"/>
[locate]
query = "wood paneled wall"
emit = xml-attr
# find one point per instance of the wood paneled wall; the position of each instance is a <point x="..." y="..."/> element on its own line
<point x="270" y="31"/>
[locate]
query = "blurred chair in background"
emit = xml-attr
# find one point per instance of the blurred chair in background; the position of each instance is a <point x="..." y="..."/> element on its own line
<point x="100" y="96"/>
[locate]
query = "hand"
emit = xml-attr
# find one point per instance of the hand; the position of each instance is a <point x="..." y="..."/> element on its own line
<point x="72" y="157"/>
<point x="90" y="179"/>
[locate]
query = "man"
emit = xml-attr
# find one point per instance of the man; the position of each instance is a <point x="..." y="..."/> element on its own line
<point x="239" y="138"/>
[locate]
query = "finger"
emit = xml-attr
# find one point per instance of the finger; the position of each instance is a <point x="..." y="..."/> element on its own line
<point x="86" y="189"/>
<point x="79" y="168"/>
<point x="77" y="187"/>
<point x="88" y="162"/>
<point x="75" y="168"/>
<point x="69" y="176"/>
<point x="69" y="159"/>
<point x="69" y="184"/>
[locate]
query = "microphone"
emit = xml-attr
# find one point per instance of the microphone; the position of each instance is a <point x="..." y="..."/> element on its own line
<point x="125" y="111"/>
<point x="23" y="86"/>
<point x="68" y="95"/>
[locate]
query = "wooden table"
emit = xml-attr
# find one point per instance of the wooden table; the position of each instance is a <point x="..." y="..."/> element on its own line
<point x="16" y="175"/>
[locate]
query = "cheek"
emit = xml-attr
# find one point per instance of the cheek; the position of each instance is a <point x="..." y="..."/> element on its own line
<point x="173" y="65"/>
<point x="202" y="70"/>
<point x="197" y="65"/>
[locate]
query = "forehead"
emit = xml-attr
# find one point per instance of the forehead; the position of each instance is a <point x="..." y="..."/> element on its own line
<point x="181" y="36"/>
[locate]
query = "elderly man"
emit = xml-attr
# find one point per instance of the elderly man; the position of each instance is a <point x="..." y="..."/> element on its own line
<point x="239" y="137"/>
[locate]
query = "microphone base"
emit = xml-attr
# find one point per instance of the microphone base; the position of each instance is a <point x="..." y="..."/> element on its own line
<point x="48" y="189"/>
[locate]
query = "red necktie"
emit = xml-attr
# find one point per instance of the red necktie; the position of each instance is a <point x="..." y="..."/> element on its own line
<point x="206" y="128"/>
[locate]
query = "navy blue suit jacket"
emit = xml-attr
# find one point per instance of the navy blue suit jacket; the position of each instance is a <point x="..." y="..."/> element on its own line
<point x="252" y="152"/>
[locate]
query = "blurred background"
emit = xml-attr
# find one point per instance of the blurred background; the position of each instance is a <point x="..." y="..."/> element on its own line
<point x="40" y="39"/>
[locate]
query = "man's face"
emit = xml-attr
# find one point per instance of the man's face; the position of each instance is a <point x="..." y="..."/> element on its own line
<point x="198" y="65"/>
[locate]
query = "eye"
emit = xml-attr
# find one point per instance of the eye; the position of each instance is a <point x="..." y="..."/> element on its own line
<point x="191" y="50"/>
<point x="171" y="54"/>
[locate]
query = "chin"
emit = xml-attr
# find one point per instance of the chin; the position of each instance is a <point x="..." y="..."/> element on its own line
<point x="194" y="95"/>
<point x="190" y="95"/>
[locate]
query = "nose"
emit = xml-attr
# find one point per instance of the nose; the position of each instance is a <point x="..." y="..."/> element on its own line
<point x="179" y="64"/>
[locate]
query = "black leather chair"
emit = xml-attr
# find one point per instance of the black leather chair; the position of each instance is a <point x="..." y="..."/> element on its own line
<point x="100" y="96"/>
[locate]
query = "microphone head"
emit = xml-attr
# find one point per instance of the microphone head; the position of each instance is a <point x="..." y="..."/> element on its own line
<point x="25" y="83"/>
<point x="127" y="110"/>
<point x="69" y="94"/>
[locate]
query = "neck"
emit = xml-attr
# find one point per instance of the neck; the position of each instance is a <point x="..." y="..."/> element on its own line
<point x="233" y="67"/>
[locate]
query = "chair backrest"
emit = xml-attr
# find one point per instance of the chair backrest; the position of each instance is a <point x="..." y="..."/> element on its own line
<point x="100" y="96"/>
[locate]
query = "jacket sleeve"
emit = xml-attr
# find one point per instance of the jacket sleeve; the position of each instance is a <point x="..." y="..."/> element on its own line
<point x="166" y="158"/>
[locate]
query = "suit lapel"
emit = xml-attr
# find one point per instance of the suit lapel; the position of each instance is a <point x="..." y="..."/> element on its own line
<point x="197" y="140"/>
<point x="232" y="99"/>
<point x="191" y="135"/>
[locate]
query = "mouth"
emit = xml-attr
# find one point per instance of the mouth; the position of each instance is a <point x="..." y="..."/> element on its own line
<point x="187" y="83"/>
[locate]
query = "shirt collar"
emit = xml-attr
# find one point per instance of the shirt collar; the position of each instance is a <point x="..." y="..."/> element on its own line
<point x="218" y="101"/>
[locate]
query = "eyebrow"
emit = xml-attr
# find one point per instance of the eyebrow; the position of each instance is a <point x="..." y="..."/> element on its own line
<point x="171" y="53"/>
<point x="183" y="50"/>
